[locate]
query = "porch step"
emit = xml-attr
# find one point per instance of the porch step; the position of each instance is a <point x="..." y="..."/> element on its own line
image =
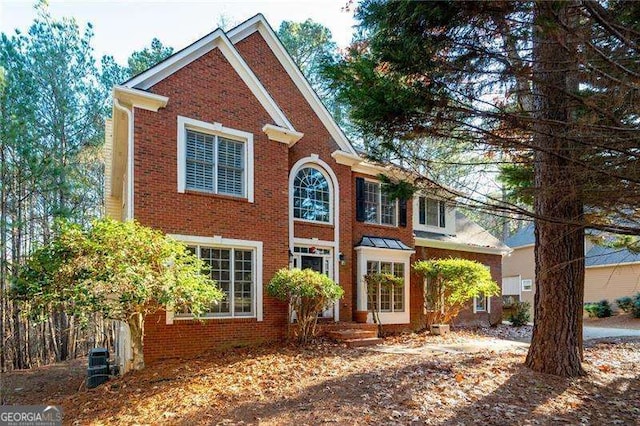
<point x="358" y="343"/>
<point x="352" y="334"/>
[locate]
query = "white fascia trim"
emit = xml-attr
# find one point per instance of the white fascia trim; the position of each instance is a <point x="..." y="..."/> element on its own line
<point x="216" y="39"/>
<point x="260" y="24"/>
<point x="219" y="130"/>
<point x="426" y="242"/>
<point x="139" y="98"/>
<point x="280" y="134"/>
<point x="613" y="265"/>
<point x="361" y="165"/>
<point x="218" y="241"/>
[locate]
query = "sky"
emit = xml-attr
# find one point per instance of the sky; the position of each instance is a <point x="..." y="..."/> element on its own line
<point x="122" y="26"/>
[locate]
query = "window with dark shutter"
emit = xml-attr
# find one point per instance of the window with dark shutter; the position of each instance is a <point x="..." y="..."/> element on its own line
<point x="442" y="215"/>
<point x="422" y="211"/>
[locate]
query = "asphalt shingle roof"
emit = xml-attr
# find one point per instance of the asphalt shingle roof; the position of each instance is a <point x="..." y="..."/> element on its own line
<point x="385" y="243"/>
<point x="467" y="233"/>
<point x="595" y="256"/>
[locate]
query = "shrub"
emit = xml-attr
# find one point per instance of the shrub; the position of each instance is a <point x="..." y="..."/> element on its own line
<point x="602" y="309"/>
<point x="625" y="304"/>
<point x="520" y="315"/>
<point x="308" y="293"/>
<point x="451" y="285"/>
<point x="635" y="309"/>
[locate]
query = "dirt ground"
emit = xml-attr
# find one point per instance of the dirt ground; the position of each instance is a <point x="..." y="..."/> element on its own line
<point x="329" y="383"/>
<point x="616" y="321"/>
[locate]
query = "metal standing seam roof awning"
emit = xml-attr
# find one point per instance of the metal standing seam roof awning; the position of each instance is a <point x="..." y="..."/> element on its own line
<point x="383" y="243"/>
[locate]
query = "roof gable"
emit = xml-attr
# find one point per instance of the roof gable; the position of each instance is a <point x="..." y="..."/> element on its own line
<point x="259" y="24"/>
<point x="217" y="39"/>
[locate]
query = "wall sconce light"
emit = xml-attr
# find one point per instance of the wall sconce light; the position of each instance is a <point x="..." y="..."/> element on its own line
<point x="343" y="258"/>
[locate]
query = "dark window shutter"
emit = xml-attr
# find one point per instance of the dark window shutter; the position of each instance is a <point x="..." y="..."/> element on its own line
<point x="442" y="214"/>
<point x="402" y="220"/>
<point x="360" y="216"/>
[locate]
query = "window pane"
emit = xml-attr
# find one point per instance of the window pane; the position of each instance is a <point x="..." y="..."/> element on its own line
<point x="220" y="271"/>
<point x="371" y="200"/>
<point x="311" y="197"/>
<point x="481" y="303"/>
<point x="432" y="212"/>
<point x="243" y="281"/>
<point x="398" y="291"/>
<point x="372" y="292"/>
<point x="230" y="167"/>
<point x="387" y="209"/>
<point x="385" y="299"/>
<point x="200" y="161"/>
<point x="422" y="208"/>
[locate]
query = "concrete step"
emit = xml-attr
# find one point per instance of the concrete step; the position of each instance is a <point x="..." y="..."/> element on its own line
<point x="351" y="334"/>
<point x="358" y="343"/>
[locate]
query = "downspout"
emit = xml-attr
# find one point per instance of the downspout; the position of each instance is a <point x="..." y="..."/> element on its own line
<point x="129" y="113"/>
<point x="122" y="342"/>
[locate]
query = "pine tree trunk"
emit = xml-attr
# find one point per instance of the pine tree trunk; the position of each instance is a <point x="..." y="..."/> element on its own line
<point x="136" y="329"/>
<point x="559" y="251"/>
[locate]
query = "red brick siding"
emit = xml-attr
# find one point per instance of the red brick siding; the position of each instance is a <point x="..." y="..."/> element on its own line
<point x="316" y="140"/>
<point x="208" y="89"/>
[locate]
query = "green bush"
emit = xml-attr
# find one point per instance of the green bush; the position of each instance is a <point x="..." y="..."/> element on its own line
<point x="602" y="309"/>
<point x="635" y="309"/>
<point x="625" y="304"/>
<point x="308" y="293"/>
<point x="520" y="315"/>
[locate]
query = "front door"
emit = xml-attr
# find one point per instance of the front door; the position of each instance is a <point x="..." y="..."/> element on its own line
<point x="319" y="262"/>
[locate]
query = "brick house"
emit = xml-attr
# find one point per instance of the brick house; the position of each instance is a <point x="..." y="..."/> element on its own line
<point x="225" y="146"/>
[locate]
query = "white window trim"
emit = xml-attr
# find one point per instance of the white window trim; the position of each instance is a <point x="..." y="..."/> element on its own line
<point x="217" y="129"/>
<point x="326" y="175"/>
<point x="379" y="214"/>
<point x="365" y="254"/>
<point x="393" y="292"/>
<point x="522" y="285"/>
<point x="219" y="242"/>
<point x="439" y="212"/>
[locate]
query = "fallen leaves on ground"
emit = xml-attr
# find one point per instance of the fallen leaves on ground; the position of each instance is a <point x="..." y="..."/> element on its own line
<point x="329" y="383"/>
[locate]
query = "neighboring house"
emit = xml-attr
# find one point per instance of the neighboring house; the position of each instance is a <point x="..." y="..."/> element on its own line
<point x="225" y="146"/>
<point x="609" y="273"/>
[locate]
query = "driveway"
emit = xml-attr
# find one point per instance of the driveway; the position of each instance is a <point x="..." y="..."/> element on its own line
<point x="600" y="332"/>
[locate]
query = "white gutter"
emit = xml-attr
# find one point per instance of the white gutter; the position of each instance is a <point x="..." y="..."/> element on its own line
<point x="447" y="245"/>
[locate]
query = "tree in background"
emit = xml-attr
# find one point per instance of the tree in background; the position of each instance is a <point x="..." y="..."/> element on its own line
<point x="549" y="86"/>
<point x="120" y="270"/>
<point x="311" y="47"/>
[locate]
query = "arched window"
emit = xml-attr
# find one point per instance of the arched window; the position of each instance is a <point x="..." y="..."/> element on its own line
<point x="311" y="196"/>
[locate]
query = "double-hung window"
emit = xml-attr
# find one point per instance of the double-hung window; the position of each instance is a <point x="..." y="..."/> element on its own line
<point x="431" y="212"/>
<point x="481" y="303"/>
<point x="387" y="298"/>
<point x="379" y="207"/>
<point x="214" y="159"/>
<point x="233" y="270"/>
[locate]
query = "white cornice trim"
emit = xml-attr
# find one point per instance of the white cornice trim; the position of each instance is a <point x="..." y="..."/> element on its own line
<point x="280" y="134"/>
<point x="426" y="242"/>
<point x="139" y="98"/>
<point x="260" y="24"/>
<point x="216" y="39"/>
<point x="361" y="165"/>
